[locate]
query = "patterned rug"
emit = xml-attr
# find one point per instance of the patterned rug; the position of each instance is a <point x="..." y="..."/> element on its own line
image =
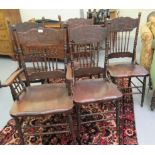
<point x="103" y="133"/>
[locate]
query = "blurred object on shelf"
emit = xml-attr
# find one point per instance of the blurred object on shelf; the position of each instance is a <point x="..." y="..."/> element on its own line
<point x="100" y="15"/>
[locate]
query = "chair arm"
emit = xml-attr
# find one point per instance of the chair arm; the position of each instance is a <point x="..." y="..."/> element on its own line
<point x="153" y="44"/>
<point x="12" y="77"/>
<point x="146" y="51"/>
<point x="146" y="34"/>
<point x="69" y="78"/>
<point x="69" y="72"/>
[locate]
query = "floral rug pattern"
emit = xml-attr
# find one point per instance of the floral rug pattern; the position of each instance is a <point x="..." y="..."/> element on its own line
<point x="101" y="133"/>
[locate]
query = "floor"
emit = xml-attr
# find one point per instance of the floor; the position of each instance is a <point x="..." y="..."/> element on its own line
<point x="145" y="122"/>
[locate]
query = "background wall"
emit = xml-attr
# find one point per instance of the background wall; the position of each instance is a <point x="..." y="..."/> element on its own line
<point x="27" y="14"/>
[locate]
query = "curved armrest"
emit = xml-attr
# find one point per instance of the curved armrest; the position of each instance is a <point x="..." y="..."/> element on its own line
<point x="12" y="77"/>
<point x="153" y="44"/>
<point x="146" y="34"/>
<point x="69" y="72"/>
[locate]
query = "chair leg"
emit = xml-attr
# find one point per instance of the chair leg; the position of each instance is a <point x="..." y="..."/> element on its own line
<point x="70" y="121"/>
<point x="129" y="82"/>
<point x="18" y="126"/>
<point x="153" y="101"/>
<point x="78" y="123"/>
<point x="150" y="83"/>
<point x="118" y="119"/>
<point x="152" y="105"/>
<point x="143" y="91"/>
<point x="26" y="83"/>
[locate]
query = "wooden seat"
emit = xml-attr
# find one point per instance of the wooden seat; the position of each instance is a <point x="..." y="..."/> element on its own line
<point x="92" y="90"/>
<point x="122" y="38"/>
<point x="42" y="99"/>
<point x="127" y="70"/>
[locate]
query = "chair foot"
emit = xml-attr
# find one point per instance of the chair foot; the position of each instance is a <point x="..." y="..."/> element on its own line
<point x="152" y="108"/>
<point x="150" y="83"/>
<point x="143" y="91"/>
<point x="118" y="120"/>
<point x="78" y="123"/>
<point x="152" y="103"/>
<point x="18" y="127"/>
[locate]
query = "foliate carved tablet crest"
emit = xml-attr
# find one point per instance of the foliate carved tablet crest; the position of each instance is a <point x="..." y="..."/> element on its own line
<point x="123" y="24"/>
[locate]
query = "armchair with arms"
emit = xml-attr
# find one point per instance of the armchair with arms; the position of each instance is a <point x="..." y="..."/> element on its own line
<point x="147" y="54"/>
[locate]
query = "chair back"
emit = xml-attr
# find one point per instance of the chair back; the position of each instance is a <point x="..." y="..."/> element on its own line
<point x="122" y="37"/>
<point x="85" y="50"/>
<point x="39" y="39"/>
<point x="74" y="22"/>
<point x="39" y="50"/>
<point x="43" y="64"/>
<point x="87" y="34"/>
<point x="25" y="26"/>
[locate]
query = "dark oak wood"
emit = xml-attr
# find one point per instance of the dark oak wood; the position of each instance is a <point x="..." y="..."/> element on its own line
<point x="122" y="38"/>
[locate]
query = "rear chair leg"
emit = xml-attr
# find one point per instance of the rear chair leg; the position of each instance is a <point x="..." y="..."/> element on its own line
<point x="143" y="91"/>
<point x="153" y="101"/>
<point x="129" y="82"/>
<point x="152" y="105"/>
<point x="70" y="121"/>
<point x="118" y="120"/>
<point x="150" y="83"/>
<point x="78" y="123"/>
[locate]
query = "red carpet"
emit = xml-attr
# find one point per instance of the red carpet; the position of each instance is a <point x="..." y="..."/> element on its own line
<point x="103" y="133"/>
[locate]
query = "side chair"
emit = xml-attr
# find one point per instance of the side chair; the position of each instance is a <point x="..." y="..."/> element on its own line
<point x="122" y="65"/>
<point x="96" y="90"/>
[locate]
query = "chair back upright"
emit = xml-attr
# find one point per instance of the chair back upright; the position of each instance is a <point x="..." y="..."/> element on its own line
<point x="38" y="51"/>
<point x="122" y="37"/>
<point x="85" y="50"/>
